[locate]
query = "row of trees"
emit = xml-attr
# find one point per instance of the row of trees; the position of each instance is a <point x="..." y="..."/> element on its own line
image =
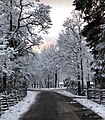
<point x="80" y="47"/>
<point x="80" y="50"/>
<point x="68" y="58"/>
<point x="20" y="23"/>
<point x="80" y="43"/>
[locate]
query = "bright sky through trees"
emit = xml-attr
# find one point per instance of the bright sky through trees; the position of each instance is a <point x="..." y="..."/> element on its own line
<point x="61" y="9"/>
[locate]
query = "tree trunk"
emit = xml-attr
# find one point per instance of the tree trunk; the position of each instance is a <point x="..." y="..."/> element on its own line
<point x="79" y="88"/>
<point x="81" y="56"/>
<point x="48" y="81"/>
<point x="56" y="79"/>
<point x="82" y="79"/>
<point x="10" y="15"/>
<point x="4" y="82"/>
<point x="11" y="41"/>
<point x="78" y="76"/>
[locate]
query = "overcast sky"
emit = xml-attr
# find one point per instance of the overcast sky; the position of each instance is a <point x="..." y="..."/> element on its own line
<point x="61" y="9"/>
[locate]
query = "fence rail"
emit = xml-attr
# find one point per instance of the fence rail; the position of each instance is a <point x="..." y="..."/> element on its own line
<point x="75" y="88"/>
<point x="96" y="95"/>
<point x="93" y="93"/>
<point x="8" y="100"/>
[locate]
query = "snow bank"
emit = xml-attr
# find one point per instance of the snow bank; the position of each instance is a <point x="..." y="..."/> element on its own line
<point x="68" y="94"/>
<point x="16" y="111"/>
<point x="97" y="108"/>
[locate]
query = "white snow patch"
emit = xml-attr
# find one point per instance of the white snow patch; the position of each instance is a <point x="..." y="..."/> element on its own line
<point x="16" y="111"/>
<point x="99" y="109"/>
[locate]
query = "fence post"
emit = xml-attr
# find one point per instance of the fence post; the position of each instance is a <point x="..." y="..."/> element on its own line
<point x="79" y="88"/>
<point x="0" y="108"/>
<point x="100" y="96"/>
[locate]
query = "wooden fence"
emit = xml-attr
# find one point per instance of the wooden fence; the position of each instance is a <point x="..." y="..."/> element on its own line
<point x="92" y="92"/>
<point x="8" y="100"/>
<point x="75" y="88"/>
<point x="96" y="95"/>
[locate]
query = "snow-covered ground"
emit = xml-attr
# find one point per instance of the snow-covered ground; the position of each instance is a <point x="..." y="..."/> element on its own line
<point x="16" y="111"/>
<point x="99" y="109"/>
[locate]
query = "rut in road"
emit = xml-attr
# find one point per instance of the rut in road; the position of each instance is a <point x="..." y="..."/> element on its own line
<point x="54" y="106"/>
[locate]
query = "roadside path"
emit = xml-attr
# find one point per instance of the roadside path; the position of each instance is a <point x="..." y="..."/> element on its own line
<point x="54" y="106"/>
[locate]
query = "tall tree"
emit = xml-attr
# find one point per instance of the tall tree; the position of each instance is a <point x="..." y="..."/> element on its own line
<point x="72" y="47"/>
<point x="23" y="20"/>
<point x="94" y="16"/>
<point x="20" y="23"/>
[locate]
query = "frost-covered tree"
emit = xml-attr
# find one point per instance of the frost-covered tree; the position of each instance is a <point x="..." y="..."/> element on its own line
<point x="27" y="66"/>
<point x="20" y="23"/>
<point x="72" y="48"/>
<point x="50" y="63"/>
<point x="21" y="20"/>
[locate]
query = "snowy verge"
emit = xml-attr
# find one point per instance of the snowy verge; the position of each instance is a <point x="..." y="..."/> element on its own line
<point x="16" y="111"/>
<point x="97" y="108"/>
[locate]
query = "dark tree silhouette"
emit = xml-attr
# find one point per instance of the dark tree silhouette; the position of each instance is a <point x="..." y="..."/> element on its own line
<point x="94" y="15"/>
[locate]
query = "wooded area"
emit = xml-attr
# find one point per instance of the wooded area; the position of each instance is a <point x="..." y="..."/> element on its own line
<point x="78" y="54"/>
